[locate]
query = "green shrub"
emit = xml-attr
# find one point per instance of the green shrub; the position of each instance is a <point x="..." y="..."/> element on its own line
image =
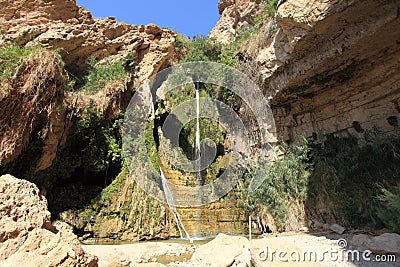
<point x="179" y="43"/>
<point x="101" y="74"/>
<point x="103" y="140"/>
<point x="390" y="214"/>
<point x="201" y="48"/>
<point x="272" y="7"/>
<point x="11" y="58"/>
<point x="113" y="188"/>
<point x="151" y="145"/>
<point x="285" y="184"/>
<point x="347" y="177"/>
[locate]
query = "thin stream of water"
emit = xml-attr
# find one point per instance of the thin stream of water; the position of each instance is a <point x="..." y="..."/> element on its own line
<point x="168" y="195"/>
<point x="171" y="204"/>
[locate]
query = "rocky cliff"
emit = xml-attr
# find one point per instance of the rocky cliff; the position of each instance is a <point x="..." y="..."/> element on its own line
<point x="329" y="66"/>
<point x="69" y="142"/>
<point x="234" y="17"/>
<point x="49" y="124"/>
<point x="336" y="66"/>
<point x="330" y="72"/>
<point x="77" y="35"/>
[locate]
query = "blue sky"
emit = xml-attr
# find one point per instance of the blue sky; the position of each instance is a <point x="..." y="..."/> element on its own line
<point x="189" y="17"/>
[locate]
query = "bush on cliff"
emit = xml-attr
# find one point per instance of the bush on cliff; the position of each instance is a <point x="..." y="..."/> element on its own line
<point x="32" y="84"/>
<point x="284" y="189"/>
<point x="101" y="74"/>
<point x="390" y="212"/>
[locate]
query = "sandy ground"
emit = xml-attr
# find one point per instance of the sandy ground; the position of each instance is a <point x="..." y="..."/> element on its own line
<point x="141" y="254"/>
<point x="299" y="247"/>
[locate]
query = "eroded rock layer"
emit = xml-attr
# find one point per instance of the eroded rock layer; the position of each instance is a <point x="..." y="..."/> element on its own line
<point x="27" y="237"/>
<point x="63" y="25"/>
<point x="234" y="16"/>
<point x="335" y="68"/>
<point x="328" y="66"/>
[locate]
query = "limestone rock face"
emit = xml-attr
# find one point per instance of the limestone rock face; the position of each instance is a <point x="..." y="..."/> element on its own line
<point x="327" y="66"/>
<point x="71" y="29"/>
<point x="335" y="68"/>
<point x="27" y="237"/>
<point x="62" y="25"/>
<point x="234" y="16"/>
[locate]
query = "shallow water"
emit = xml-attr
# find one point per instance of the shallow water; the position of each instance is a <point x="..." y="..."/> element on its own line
<point x="102" y="241"/>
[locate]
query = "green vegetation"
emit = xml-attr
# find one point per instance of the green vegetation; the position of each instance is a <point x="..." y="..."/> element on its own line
<point x="11" y="58"/>
<point x="102" y="139"/>
<point x="179" y="43"/>
<point x="271" y="7"/>
<point x="179" y="95"/>
<point x="337" y="181"/>
<point x="94" y="148"/>
<point x="348" y="177"/>
<point x="390" y="212"/>
<point x="201" y="48"/>
<point x="113" y="188"/>
<point x="209" y="129"/>
<point x="151" y="145"/>
<point x="101" y="74"/>
<point x="285" y="184"/>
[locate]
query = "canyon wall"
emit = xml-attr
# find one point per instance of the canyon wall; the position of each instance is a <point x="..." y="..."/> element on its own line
<point x="235" y="16"/>
<point x="78" y="36"/>
<point x="327" y="66"/>
<point x="42" y="112"/>
<point x="338" y="68"/>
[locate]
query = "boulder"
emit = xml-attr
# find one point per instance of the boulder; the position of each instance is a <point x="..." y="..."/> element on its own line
<point x="27" y="237"/>
<point x="388" y="243"/>
<point x="224" y="250"/>
<point x="359" y="241"/>
<point x="337" y="228"/>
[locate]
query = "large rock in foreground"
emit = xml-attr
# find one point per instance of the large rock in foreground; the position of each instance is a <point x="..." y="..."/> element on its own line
<point x="27" y="237"/>
<point x="388" y="243"/>
<point x="224" y="250"/>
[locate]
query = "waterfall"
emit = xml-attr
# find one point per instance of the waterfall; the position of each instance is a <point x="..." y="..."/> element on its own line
<point x="197" y="143"/>
<point x="197" y="234"/>
<point x="171" y="204"/>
